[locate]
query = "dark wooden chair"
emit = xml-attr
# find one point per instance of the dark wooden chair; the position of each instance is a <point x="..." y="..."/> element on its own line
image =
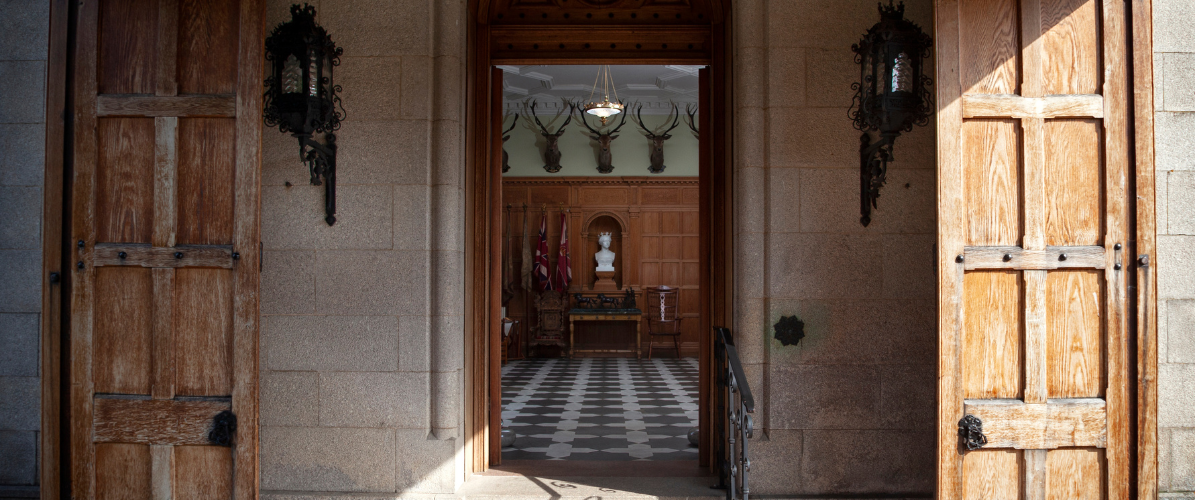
<point x="660" y="310"/>
<point x="552" y="309"/>
<point x="512" y="347"/>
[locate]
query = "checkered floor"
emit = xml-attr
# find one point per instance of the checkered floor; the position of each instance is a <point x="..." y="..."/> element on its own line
<point x="600" y="408"/>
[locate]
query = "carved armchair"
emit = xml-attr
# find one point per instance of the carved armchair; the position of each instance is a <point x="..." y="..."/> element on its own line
<point x="552" y="307"/>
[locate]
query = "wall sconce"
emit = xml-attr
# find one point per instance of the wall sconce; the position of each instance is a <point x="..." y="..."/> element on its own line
<point x="301" y="97"/>
<point x="891" y="96"/>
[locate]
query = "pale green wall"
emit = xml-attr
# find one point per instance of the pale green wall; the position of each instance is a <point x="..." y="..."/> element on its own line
<point x="579" y="154"/>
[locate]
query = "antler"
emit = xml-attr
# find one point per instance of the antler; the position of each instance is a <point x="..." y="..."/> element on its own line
<point x="596" y="132"/>
<point x="653" y="135"/>
<point x="591" y="129"/>
<point x="531" y="110"/>
<point x="639" y="121"/>
<point x="621" y="123"/>
<point x="691" y="110"/>
<point x="512" y="126"/>
<point x="560" y="130"/>
<point x="675" y="121"/>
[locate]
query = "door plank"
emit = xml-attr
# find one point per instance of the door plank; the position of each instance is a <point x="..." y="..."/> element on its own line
<point x="124" y="471"/>
<point x="124" y="333"/>
<point x="125" y="201"/>
<point x="206" y="172"/>
<point x="203" y="472"/>
<point x="203" y="332"/>
<point x="178" y="256"/>
<point x="1011" y="423"/>
<point x="1035" y="474"/>
<point x="1015" y="106"/>
<point x="165" y="179"/>
<point x="185" y="106"/>
<point x="991" y="353"/>
<point x="154" y="421"/>
<point x="162" y="471"/>
<point x="1076" y="474"/>
<point x="1074" y="179"/>
<point x="1052" y="257"/>
<point x="990" y="162"/>
<point x="163" y="333"/>
<point x="991" y="475"/>
<point x="1075" y="334"/>
<point x="127" y="49"/>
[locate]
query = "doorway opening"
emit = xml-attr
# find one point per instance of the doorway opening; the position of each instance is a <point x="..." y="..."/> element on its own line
<point x="530" y="363"/>
<point x="601" y="265"/>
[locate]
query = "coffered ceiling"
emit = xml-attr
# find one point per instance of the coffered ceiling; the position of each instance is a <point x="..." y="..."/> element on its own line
<point x="653" y="86"/>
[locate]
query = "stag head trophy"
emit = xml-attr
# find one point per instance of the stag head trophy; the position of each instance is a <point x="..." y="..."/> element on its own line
<point x="605" y="161"/>
<point x="552" y="152"/>
<point x="506" y="137"/>
<point x="691" y="121"/>
<point x="657" y="139"/>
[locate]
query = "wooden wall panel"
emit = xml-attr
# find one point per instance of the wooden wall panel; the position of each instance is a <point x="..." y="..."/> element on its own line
<point x="1074" y="180"/>
<point x="124" y="201"/>
<point x="1074" y="336"/>
<point x="207" y="46"/>
<point x="206" y="165"/>
<point x="124" y="338"/>
<point x="992" y="358"/>
<point x="127" y="46"/>
<point x="658" y="242"/>
<point x="123" y="472"/>
<point x="203" y="332"/>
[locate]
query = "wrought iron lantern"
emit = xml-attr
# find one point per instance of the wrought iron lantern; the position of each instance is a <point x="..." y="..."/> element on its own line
<point x="301" y="95"/>
<point x="891" y="96"/>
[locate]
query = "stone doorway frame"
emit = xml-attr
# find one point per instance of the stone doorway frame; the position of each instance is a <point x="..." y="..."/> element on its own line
<point x="700" y="35"/>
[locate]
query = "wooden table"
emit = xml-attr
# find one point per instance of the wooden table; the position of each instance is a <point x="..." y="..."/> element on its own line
<point x="576" y="315"/>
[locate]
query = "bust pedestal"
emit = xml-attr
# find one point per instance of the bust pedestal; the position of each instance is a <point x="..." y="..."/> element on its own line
<point x="605" y="282"/>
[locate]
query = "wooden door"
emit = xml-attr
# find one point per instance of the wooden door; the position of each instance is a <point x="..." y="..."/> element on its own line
<point x="165" y="242"/>
<point x="1033" y="248"/>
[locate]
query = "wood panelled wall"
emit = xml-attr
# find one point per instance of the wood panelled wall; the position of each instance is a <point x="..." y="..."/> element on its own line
<point x="657" y="243"/>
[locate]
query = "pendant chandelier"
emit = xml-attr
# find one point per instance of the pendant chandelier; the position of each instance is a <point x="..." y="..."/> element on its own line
<point x="606" y="108"/>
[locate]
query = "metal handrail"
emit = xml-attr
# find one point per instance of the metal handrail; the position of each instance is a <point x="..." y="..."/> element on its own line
<point x="732" y="420"/>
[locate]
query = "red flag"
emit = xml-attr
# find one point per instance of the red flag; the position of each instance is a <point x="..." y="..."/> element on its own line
<point x="564" y="271"/>
<point x="541" y="256"/>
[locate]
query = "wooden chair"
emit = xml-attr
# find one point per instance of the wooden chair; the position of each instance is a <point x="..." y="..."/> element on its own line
<point x="510" y="337"/>
<point x="660" y="310"/>
<point x="552" y="308"/>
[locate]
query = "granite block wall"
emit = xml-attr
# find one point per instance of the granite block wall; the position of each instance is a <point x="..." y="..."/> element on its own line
<point x="362" y="326"/>
<point x="24" y="35"/>
<point x="851" y="409"/>
<point x="1174" y="106"/>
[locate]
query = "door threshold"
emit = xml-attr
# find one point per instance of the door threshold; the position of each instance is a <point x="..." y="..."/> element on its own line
<point x="500" y="485"/>
<point x="598" y="468"/>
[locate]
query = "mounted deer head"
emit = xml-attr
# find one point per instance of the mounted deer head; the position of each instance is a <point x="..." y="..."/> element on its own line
<point x="691" y="110"/>
<point x="552" y="152"/>
<point x="605" y="161"/>
<point x="506" y="137"/>
<point x="657" y="139"/>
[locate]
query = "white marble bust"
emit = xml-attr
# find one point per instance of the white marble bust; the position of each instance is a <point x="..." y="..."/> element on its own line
<point x="604" y="257"/>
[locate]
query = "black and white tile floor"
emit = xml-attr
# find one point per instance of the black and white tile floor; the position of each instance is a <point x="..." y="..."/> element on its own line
<point x="600" y="408"/>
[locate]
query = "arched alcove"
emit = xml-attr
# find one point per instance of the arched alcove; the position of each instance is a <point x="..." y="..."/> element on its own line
<point x="605" y="223"/>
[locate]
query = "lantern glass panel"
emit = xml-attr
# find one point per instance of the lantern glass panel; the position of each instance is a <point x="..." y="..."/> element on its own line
<point x="902" y="74"/>
<point x="313" y="73"/>
<point x="292" y="76"/>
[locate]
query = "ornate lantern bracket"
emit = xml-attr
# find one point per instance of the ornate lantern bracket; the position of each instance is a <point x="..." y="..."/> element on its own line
<point x="301" y="96"/>
<point x="891" y="96"/>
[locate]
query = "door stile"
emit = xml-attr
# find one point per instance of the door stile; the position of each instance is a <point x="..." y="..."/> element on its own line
<point x="494" y="270"/>
<point x="704" y="186"/>
<point x="950" y="244"/>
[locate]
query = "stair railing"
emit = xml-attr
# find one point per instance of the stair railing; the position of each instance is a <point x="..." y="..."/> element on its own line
<point x="733" y="425"/>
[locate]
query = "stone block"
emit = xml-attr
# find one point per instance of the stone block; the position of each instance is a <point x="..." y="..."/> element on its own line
<point x="812" y="137"/>
<point x="293" y="218"/>
<point x="372" y="282"/>
<point x="829" y="74"/>
<point x="416" y="87"/>
<point x="1176" y="83"/>
<point x="1176" y="267"/>
<point x="1180" y="330"/>
<point x="288" y="282"/>
<point x="856" y="332"/>
<point x="1171" y="26"/>
<point x="22" y="154"/>
<point x="751" y="138"/>
<point x="448" y="212"/>
<point x="18" y="458"/>
<point x="278" y="11"/>
<point x="412" y="217"/>
<point x="447" y="281"/>
<point x="19" y="345"/>
<point x="830" y="201"/>
<point x="448" y="163"/>
<point x="290" y="399"/>
<point x="1175" y="146"/>
<point x="331" y="343"/>
<point x="448" y="342"/>
<point x="374" y="28"/>
<point x="824" y="397"/>
<point x="1164" y="459"/>
<point x="751" y="196"/>
<point x="451" y="19"/>
<point x="1180" y="198"/>
<point x="446" y="414"/>
<point x="825" y="266"/>
<point x="908" y="398"/>
<point x="751" y="329"/>
<point x="25" y="31"/>
<point x="909" y="266"/>
<point x="750" y="17"/>
<point x="1159" y="67"/>
<point x="371" y="87"/>
<point x="1175" y="397"/>
<point x="24" y="97"/>
<point x="373" y="399"/>
<point x="784" y="194"/>
<point x="1182" y="456"/>
<point x="414" y="343"/>
<point x="787" y="77"/>
<point x="20" y="281"/>
<point x="327" y="459"/>
<point x="752" y="266"/>
<point x="1161" y="201"/>
<point x="908" y="203"/>
<point x="21" y="210"/>
<point x="20" y="403"/>
<point x="1163" y="337"/>
<point x="425" y="464"/>
<point x="775" y="463"/>
<point x="449" y="85"/>
<point x="867" y="461"/>
<point x="280" y="162"/>
<point x="393" y="152"/>
<point x="751" y="77"/>
<point x="830" y="24"/>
